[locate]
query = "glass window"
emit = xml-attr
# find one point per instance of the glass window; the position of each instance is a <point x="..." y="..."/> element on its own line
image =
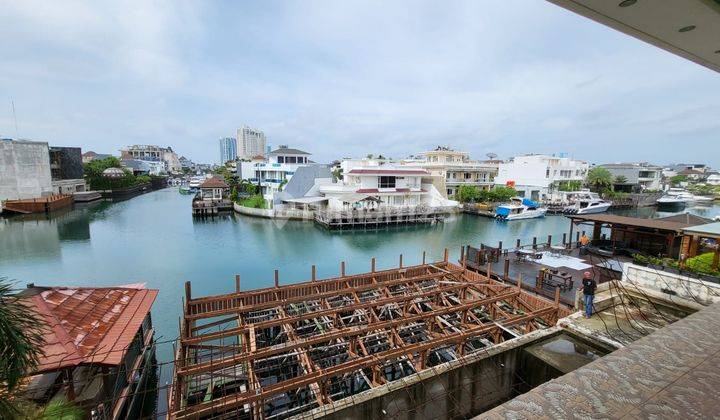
<point x="281" y="159"/>
<point x="387" y="182"/>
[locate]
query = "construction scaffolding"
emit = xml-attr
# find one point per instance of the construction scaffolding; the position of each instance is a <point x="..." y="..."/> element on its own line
<point x="277" y="352"/>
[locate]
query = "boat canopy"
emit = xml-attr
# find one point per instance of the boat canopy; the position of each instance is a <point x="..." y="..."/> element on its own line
<point x="502" y="211"/>
<point x="528" y="202"/>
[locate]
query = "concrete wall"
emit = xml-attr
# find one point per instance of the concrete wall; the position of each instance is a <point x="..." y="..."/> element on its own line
<point x="24" y="169"/>
<point x="662" y="281"/>
<point x="458" y="389"/>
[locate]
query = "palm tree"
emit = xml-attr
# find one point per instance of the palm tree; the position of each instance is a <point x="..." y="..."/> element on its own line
<point x="599" y="179"/>
<point x="621" y="180"/>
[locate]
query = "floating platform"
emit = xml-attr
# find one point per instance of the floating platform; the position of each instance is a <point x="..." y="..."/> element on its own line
<point x="210" y="208"/>
<point x="38" y="205"/>
<point x="86" y="196"/>
<point x="358" y="219"/>
<point x="321" y="346"/>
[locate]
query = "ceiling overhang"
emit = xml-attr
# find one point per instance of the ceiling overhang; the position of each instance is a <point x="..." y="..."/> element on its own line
<point x="688" y="28"/>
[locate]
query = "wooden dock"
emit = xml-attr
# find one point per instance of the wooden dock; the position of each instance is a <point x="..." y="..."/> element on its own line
<point x="210" y="208"/>
<point x="361" y="219"/>
<point x="38" y="205"/>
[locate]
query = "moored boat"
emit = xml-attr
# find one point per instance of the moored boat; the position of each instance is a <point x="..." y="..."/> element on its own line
<point x="590" y="204"/>
<point x="675" y="198"/>
<point x="519" y="208"/>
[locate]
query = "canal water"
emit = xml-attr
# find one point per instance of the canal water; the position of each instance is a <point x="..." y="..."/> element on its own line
<point x="153" y="239"/>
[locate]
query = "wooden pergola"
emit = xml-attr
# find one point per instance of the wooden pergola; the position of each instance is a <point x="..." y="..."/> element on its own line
<point x="693" y="237"/>
<point x="280" y="351"/>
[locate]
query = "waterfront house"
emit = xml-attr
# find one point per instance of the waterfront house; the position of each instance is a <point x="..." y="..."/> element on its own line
<point x="452" y="169"/>
<point x="639" y="177"/>
<point x="273" y="172"/>
<point x="537" y="176"/>
<point x="66" y="170"/>
<point x="153" y="153"/>
<point x="98" y="349"/>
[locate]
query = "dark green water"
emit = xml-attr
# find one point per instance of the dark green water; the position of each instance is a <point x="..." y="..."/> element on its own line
<point x="153" y="239"/>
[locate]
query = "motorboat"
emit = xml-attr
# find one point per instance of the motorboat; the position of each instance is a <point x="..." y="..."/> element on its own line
<point x="703" y="199"/>
<point x="675" y="198"/>
<point x="195" y="182"/>
<point x="587" y="204"/>
<point x="184" y="190"/>
<point x="519" y="208"/>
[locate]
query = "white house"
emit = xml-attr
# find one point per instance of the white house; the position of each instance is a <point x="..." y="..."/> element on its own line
<point x="368" y="185"/>
<point x="453" y="169"/>
<point x="536" y="176"/>
<point x="275" y="171"/>
<point x="713" y="179"/>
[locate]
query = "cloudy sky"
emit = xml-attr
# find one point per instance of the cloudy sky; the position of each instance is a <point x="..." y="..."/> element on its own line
<point x="350" y="78"/>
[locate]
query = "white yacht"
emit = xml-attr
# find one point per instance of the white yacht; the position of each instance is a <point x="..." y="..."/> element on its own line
<point x="675" y="198"/>
<point x="588" y="203"/>
<point x="519" y="208"/>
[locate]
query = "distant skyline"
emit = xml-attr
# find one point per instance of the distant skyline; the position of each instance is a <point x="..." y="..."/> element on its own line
<point x="350" y="78"/>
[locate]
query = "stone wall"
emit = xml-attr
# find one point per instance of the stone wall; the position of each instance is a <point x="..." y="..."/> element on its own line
<point x="24" y="169"/>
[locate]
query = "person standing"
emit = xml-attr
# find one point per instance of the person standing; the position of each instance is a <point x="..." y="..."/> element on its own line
<point x="589" y="286"/>
<point x="584" y="242"/>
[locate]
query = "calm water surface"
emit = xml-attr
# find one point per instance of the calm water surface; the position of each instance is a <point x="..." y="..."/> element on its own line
<point x="153" y="239"/>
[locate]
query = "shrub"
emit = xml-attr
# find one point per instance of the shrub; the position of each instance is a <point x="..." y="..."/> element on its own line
<point x="255" y="202"/>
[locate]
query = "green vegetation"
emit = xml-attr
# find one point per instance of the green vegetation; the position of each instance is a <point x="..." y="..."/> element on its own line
<point x="20" y="348"/>
<point x="702" y="264"/>
<point x="255" y="202"/>
<point x="94" y="175"/>
<point x="599" y="179"/>
<point x="473" y="194"/>
<point x="569" y="185"/>
<point x="621" y="179"/>
<point x="677" y="180"/>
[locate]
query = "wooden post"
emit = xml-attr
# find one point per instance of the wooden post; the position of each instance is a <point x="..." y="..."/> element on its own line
<point x="506" y="270"/>
<point x="716" y="259"/>
<point x="423" y="263"/>
<point x="577" y="237"/>
<point x="237" y="283"/>
<point x="401" y="261"/>
<point x="372" y="264"/>
<point x="557" y="296"/>
<point x="519" y="281"/>
<point x="549" y="240"/>
<point x="463" y="257"/>
<point x="489" y="269"/>
<point x="534" y="242"/>
<point x="565" y="238"/>
<point x="517" y="243"/>
<point x="313" y="271"/>
<point x="596" y="230"/>
<point x="188" y="292"/>
<point x="446" y="256"/>
<point x="500" y="245"/>
<point x="342" y="268"/>
<point x="70" y="384"/>
<point x="277" y="278"/>
<point x="571" y="232"/>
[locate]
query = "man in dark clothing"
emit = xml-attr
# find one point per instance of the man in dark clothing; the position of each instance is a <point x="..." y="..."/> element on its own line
<point x="589" y="286"/>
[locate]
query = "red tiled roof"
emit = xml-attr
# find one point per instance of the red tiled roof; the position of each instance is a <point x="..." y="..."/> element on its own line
<point x="389" y="171"/>
<point x="214" y="183"/>
<point x="89" y="325"/>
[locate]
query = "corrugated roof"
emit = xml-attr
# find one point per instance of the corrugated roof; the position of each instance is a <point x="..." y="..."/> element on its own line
<point x="88" y="325"/>
<point x="712" y="229"/>
<point x="632" y="221"/>
<point x="687" y="218"/>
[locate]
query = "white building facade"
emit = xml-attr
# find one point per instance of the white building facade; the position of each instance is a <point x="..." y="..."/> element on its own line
<point x="24" y="169"/>
<point x="366" y="184"/>
<point x="640" y="176"/>
<point x="537" y="176"/>
<point x="153" y="153"/>
<point x="275" y="171"/>
<point x="250" y="143"/>
<point x="453" y="169"/>
<point x="228" y="149"/>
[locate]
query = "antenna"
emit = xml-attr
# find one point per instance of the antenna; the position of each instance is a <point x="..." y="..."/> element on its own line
<point x="491" y="156"/>
<point x="17" y="136"/>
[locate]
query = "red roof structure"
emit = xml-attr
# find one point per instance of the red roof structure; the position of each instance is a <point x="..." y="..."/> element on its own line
<point x="87" y="325"/>
<point x="396" y="171"/>
<point x="214" y="183"/>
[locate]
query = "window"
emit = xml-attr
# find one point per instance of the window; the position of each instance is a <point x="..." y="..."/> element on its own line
<point x="387" y="182"/>
<point x="467" y="175"/>
<point x="281" y="159"/>
<point x="547" y="173"/>
<point x="290" y="159"/>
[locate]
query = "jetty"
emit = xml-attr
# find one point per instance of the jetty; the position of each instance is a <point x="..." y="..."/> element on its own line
<point x="38" y="205"/>
<point x="389" y="216"/>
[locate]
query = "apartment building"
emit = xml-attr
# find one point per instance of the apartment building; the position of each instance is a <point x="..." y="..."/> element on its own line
<point x="250" y="143"/>
<point x="454" y="169"/>
<point x="639" y="176"/>
<point x="535" y="176"/>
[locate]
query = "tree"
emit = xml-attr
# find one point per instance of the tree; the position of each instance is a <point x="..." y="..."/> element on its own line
<point x="501" y="194"/>
<point x="621" y="180"/>
<point x="573" y="185"/>
<point x="467" y="194"/>
<point x="599" y="179"/>
<point x="20" y="343"/>
<point x="677" y="180"/>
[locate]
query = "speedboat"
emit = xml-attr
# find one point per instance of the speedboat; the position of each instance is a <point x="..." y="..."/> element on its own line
<point x="703" y="199"/>
<point x="587" y="204"/>
<point x="675" y="198"/>
<point x="519" y="208"/>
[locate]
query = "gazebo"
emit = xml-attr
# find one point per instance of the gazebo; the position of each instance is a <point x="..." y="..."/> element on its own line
<point x="113" y="173"/>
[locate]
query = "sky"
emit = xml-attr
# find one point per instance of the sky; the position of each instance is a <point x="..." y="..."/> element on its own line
<point x="345" y="79"/>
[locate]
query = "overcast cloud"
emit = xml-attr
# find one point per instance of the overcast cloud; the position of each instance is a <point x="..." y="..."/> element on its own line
<point x="342" y="78"/>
